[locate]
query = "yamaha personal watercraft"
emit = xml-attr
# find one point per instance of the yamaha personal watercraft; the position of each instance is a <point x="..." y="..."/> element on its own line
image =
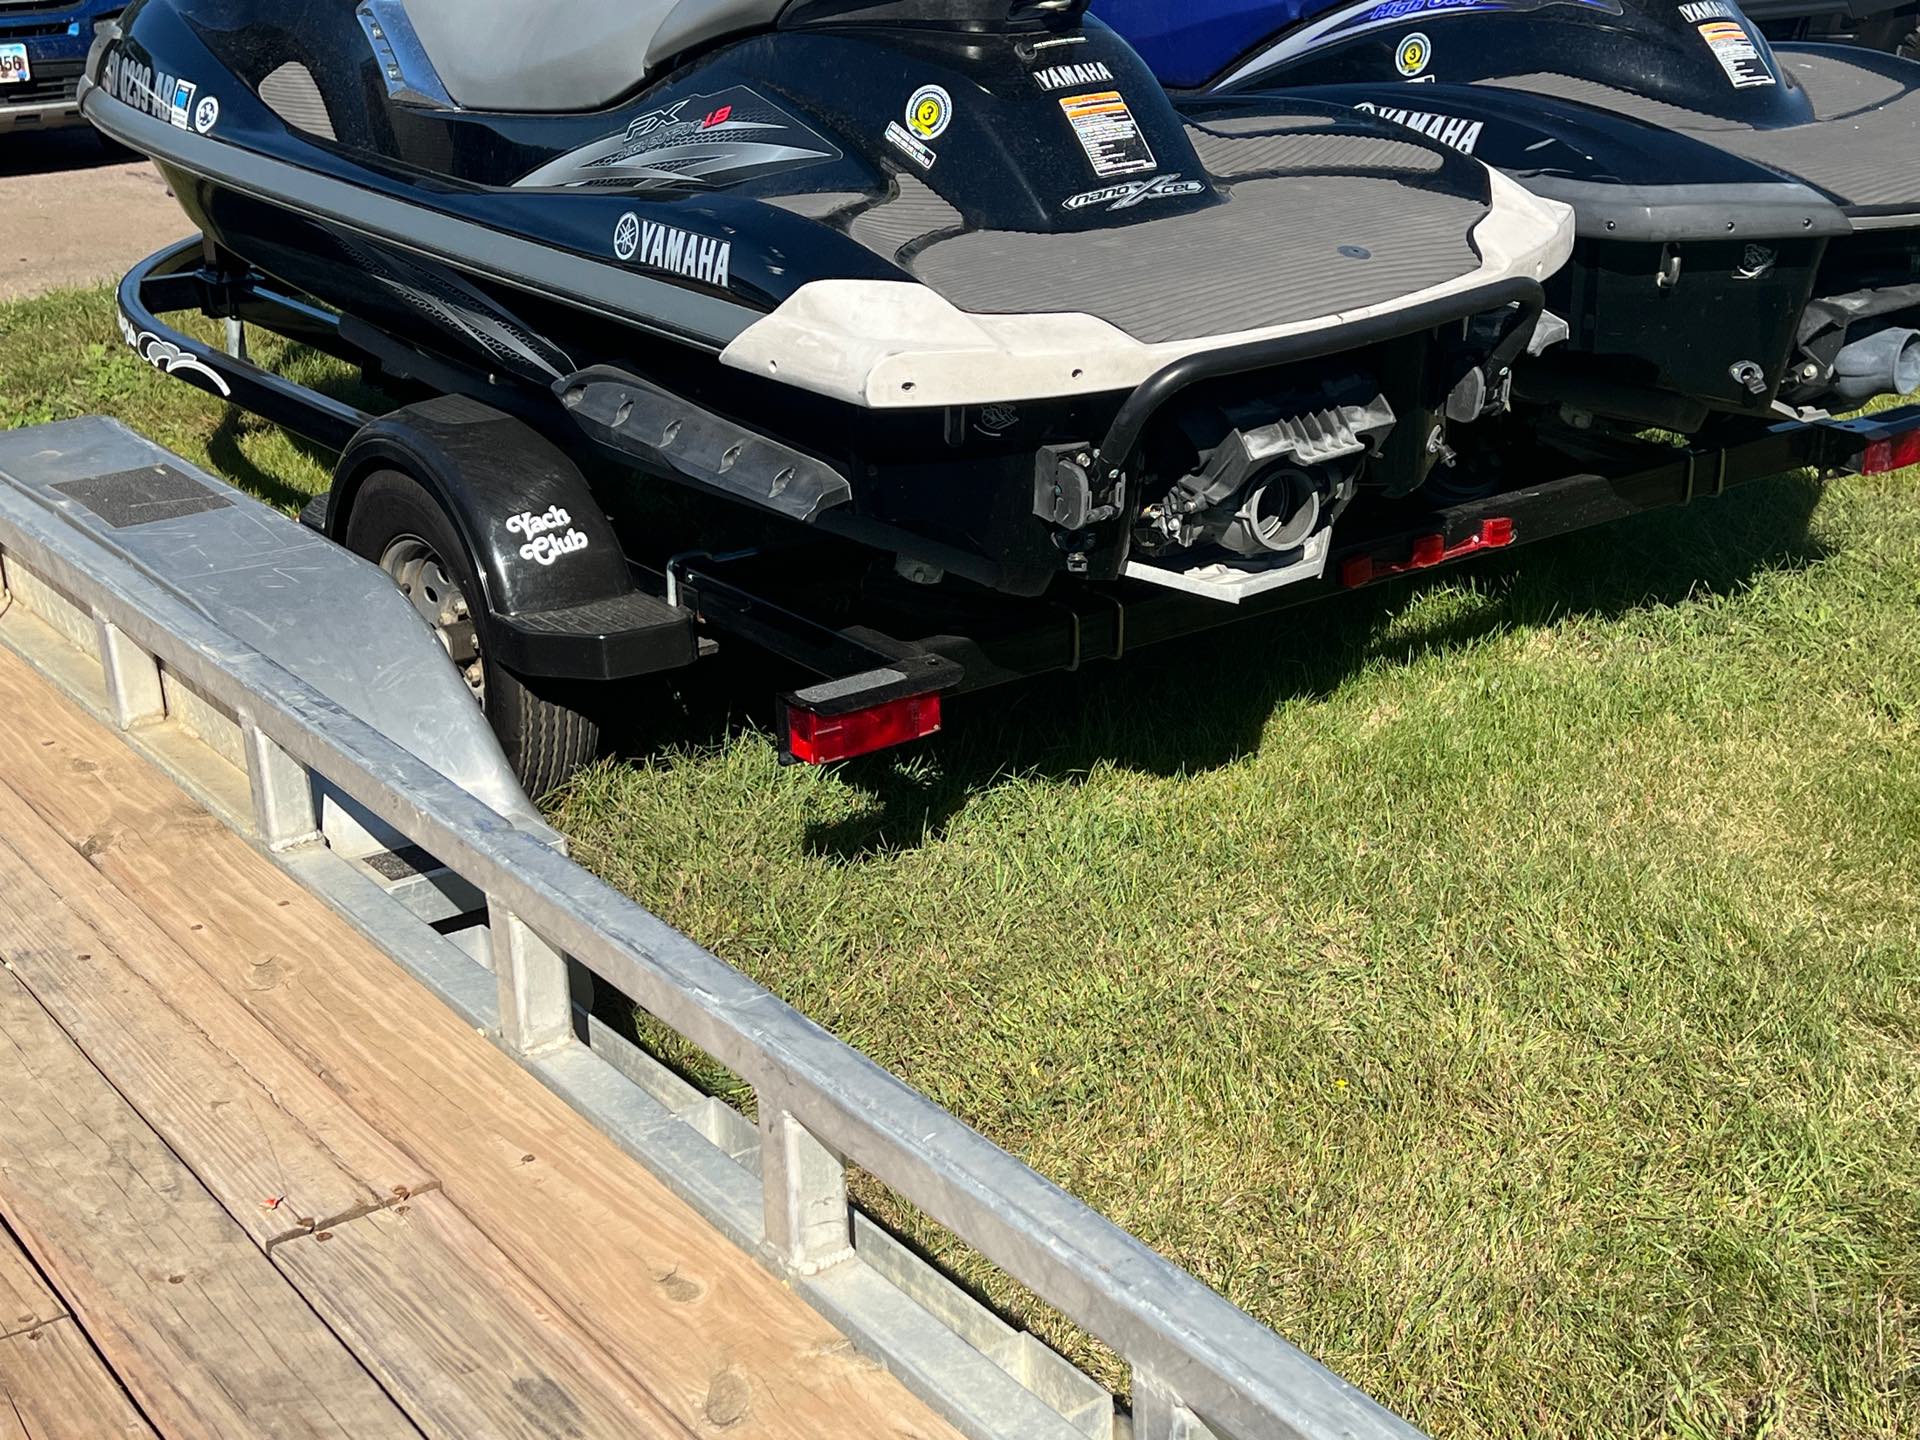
<point x="953" y="280"/>
<point x="1748" y="219"/>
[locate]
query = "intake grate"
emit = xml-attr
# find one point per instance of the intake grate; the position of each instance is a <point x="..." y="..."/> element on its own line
<point x="292" y="93"/>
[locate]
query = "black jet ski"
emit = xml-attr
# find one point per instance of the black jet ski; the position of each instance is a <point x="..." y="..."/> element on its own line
<point x="953" y="280"/>
<point x="1748" y="219"/>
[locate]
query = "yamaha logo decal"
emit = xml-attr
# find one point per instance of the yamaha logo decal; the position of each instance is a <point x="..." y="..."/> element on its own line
<point x="626" y="236"/>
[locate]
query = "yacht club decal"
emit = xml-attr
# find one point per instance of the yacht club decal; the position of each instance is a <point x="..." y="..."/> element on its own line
<point x="543" y="545"/>
<point x="675" y="251"/>
<point x="699" y="142"/>
<point x="1452" y="130"/>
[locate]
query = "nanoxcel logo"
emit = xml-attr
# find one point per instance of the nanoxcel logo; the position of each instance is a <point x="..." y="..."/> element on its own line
<point x="1133" y="192"/>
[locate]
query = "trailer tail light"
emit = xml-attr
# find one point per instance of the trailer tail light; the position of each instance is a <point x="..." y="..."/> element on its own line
<point x="1896" y="452"/>
<point x="1428" y="551"/>
<point x="816" y="739"/>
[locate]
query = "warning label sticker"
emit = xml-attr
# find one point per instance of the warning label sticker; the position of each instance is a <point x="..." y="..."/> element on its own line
<point x="1108" y="133"/>
<point x="1737" y="54"/>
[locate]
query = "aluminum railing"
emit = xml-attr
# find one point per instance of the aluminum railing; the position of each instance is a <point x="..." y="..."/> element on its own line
<point x="1199" y="1365"/>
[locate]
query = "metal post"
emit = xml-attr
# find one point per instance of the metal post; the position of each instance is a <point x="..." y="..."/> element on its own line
<point x="536" y="993"/>
<point x="134" y="692"/>
<point x="1159" y="1415"/>
<point x="804" y="1185"/>
<point x="237" y="339"/>
<point x="283" y="808"/>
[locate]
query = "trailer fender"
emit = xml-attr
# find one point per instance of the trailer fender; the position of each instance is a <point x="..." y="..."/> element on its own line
<point x="539" y="540"/>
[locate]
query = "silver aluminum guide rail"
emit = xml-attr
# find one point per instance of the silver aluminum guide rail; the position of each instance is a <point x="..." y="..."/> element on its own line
<point x="1200" y="1366"/>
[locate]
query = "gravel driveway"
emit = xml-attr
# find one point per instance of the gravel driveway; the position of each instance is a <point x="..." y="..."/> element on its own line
<point x="70" y="214"/>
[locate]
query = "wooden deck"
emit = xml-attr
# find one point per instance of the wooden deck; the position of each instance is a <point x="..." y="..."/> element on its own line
<point x="255" y="1181"/>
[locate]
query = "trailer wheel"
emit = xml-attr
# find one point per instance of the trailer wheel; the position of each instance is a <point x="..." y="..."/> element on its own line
<point x="401" y="528"/>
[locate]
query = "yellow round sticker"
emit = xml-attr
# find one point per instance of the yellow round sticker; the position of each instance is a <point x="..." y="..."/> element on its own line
<point x="929" y="112"/>
<point x="1415" y="52"/>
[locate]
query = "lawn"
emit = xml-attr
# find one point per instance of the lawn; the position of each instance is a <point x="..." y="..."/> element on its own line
<point x="1507" y="986"/>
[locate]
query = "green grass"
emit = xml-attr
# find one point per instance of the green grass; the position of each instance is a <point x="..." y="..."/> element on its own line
<point x="1507" y="986"/>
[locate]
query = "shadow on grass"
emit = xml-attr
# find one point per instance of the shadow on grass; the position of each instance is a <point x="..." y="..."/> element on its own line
<point x="225" y="447"/>
<point x="1205" y="703"/>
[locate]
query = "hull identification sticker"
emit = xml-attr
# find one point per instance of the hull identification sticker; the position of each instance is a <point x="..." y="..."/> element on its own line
<point x="1108" y="133"/>
<point x="1737" y="54"/>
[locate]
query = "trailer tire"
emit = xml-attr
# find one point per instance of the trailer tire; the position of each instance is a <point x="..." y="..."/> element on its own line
<point x="399" y="526"/>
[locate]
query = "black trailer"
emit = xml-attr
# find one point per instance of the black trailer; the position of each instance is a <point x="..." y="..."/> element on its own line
<point x="887" y="649"/>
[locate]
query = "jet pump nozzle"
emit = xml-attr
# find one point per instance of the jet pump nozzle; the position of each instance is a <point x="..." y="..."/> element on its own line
<point x="1886" y="362"/>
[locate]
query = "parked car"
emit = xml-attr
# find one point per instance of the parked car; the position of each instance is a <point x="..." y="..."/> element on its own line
<point x="43" y="49"/>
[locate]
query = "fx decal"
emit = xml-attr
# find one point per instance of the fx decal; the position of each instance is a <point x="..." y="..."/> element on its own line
<point x="701" y="142"/>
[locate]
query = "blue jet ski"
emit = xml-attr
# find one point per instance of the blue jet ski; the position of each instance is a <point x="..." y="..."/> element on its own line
<point x="1748" y="218"/>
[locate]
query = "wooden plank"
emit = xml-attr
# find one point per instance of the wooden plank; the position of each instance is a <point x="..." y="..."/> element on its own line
<point x="459" y="1336"/>
<point x="507" y="1367"/>
<point x="208" y="1339"/>
<point x="53" y="1387"/>
<point x="250" y="1145"/>
<point x="691" y="1318"/>
<point x="147" y="951"/>
<point x="25" y="1301"/>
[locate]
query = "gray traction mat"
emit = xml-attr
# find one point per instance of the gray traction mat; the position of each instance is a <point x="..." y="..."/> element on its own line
<point x="1298" y="202"/>
<point x="1859" y="150"/>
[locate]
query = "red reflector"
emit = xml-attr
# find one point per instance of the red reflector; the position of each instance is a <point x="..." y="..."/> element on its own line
<point x="1429" y="551"/>
<point x="821" y="739"/>
<point x="1896" y="453"/>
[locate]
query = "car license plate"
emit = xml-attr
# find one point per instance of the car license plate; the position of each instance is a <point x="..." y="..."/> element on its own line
<point x="15" y="68"/>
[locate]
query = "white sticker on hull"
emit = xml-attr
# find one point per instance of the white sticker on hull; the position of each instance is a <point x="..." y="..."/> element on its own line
<point x="1108" y="133"/>
<point x="921" y="155"/>
<point x="1737" y="53"/>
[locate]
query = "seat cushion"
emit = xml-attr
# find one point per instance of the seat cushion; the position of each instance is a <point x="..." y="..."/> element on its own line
<point x="557" y="56"/>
